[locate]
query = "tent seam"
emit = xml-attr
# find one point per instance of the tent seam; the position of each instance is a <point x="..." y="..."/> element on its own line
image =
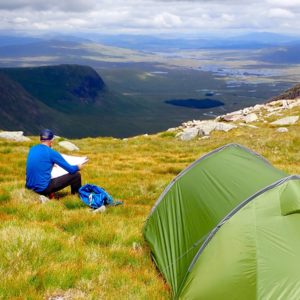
<point x="182" y="255"/>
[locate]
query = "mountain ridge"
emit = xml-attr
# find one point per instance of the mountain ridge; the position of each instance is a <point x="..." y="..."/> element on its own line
<point x="33" y="98"/>
<point x="12" y="114"/>
<point x="70" y="82"/>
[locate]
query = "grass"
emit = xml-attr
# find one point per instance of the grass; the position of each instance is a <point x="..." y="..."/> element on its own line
<point x="62" y="249"/>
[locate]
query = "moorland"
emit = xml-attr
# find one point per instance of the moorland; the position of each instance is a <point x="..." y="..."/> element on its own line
<point x="62" y="249"/>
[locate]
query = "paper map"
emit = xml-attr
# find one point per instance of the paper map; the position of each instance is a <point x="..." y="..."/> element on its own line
<point x="72" y="160"/>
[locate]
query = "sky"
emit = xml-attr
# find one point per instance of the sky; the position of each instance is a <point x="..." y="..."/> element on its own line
<point x="149" y="16"/>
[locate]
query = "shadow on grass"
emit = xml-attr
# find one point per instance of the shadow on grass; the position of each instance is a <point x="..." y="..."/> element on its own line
<point x="70" y="201"/>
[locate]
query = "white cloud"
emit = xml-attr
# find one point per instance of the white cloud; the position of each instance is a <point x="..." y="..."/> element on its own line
<point x="281" y="13"/>
<point x="228" y="17"/>
<point x="167" y="20"/>
<point x="39" y="5"/>
<point x="20" y="20"/>
<point x="148" y="16"/>
<point x="284" y="3"/>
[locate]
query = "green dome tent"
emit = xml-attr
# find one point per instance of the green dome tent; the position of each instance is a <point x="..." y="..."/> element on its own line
<point x="228" y="227"/>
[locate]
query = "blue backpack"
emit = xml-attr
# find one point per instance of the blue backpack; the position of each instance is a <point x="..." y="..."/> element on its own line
<point x="95" y="196"/>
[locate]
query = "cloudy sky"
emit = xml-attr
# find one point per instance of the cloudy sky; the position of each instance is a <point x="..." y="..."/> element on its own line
<point x="149" y="16"/>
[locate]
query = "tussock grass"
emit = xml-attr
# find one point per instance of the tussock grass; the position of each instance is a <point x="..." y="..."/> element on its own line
<point x="62" y="249"/>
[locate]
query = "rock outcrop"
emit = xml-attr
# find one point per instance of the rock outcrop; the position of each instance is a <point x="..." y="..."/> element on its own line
<point x="202" y="128"/>
<point x="282" y="129"/>
<point x="17" y="136"/>
<point x="196" y="128"/>
<point x="286" y="121"/>
<point x="68" y="146"/>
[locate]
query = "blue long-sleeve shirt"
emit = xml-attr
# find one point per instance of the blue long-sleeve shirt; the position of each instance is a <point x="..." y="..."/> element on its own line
<point x="40" y="161"/>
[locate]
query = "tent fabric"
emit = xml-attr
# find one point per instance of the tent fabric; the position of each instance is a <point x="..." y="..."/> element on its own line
<point x="290" y="199"/>
<point x="254" y="255"/>
<point x="195" y="203"/>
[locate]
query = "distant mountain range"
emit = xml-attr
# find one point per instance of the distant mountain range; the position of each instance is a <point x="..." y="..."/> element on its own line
<point x="163" y="42"/>
<point x="151" y="43"/>
<point x="98" y="50"/>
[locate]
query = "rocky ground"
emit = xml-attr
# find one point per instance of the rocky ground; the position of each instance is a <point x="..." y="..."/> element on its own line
<point x="258" y="114"/>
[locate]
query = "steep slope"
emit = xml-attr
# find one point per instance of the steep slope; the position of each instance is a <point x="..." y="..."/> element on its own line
<point x="21" y="111"/>
<point x="58" y="86"/>
<point x="60" y="97"/>
<point x="71" y="99"/>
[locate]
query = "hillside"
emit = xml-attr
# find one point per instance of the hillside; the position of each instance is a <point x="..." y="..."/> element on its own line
<point x="61" y="249"/>
<point x="59" y="85"/>
<point x="291" y="93"/>
<point x="71" y="99"/>
<point x="16" y="103"/>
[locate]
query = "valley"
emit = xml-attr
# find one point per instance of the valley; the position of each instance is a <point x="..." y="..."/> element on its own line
<point x="144" y="89"/>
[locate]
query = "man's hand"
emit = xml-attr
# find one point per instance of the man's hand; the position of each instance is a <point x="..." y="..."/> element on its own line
<point x="79" y="167"/>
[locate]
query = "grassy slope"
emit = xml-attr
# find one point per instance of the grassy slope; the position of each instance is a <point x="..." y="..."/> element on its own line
<point x="61" y="248"/>
<point x="56" y="86"/>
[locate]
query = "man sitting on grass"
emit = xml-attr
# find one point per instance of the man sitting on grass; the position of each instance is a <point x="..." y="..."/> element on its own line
<point x="40" y="161"/>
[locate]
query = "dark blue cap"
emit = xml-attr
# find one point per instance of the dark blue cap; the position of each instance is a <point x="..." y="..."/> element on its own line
<point x="46" y="135"/>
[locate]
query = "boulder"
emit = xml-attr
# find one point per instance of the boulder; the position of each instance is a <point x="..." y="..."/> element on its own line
<point x="282" y="129"/>
<point x="286" y="121"/>
<point x="16" y="136"/>
<point x="258" y="107"/>
<point x="203" y="128"/>
<point x="224" y="126"/>
<point x="68" y="146"/>
<point x="250" y="118"/>
<point x="206" y="127"/>
<point x="232" y="117"/>
<point x="188" y="134"/>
